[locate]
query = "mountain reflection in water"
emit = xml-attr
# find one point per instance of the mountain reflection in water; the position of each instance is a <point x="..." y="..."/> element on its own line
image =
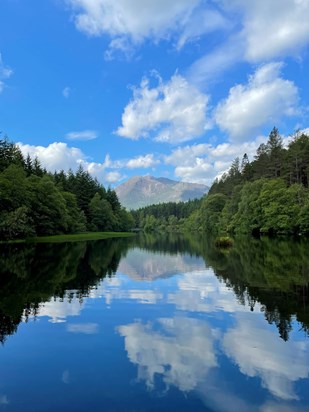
<point x="155" y="323"/>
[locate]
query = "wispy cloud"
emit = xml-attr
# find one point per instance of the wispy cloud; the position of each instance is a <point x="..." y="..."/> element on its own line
<point x="4" y="400"/>
<point x="87" y="328"/>
<point x="5" y="73"/>
<point x="210" y="67"/>
<point x="272" y="29"/>
<point x="82" y="135"/>
<point x="66" y="92"/>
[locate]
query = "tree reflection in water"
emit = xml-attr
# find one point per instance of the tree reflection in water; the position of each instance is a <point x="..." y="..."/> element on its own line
<point x="273" y="272"/>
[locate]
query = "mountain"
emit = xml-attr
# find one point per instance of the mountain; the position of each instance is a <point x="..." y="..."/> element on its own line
<point x="140" y="191"/>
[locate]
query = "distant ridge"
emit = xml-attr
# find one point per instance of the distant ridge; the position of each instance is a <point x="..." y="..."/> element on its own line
<point x="140" y="191"/>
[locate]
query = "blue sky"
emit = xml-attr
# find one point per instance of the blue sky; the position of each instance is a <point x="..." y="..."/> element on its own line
<point x="174" y="88"/>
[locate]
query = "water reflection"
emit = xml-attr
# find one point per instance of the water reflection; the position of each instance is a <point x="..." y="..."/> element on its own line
<point x="140" y="265"/>
<point x="58" y="309"/>
<point x="177" y="350"/>
<point x="4" y="400"/>
<point x="119" y="288"/>
<point x="87" y="328"/>
<point x="258" y="352"/>
<point x="51" y="279"/>
<point x="201" y="292"/>
<point x="175" y="315"/>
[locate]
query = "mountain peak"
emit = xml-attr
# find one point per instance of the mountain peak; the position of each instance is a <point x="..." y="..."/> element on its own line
<point x="140" y="191"/>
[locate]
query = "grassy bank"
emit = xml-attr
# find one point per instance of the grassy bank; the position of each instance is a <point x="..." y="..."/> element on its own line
<point x="73" y="238"/>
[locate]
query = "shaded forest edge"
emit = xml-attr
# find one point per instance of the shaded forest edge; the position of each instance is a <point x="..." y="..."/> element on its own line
<point x="34" y="202"/>
<point x="268" y="195"/>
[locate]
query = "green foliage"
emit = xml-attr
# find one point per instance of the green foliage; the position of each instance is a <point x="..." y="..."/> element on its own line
<point x="248" y="217"/>
<point x="297" y="160"/>
<point x="279" y="206"/>
<point x="211" y="210"/>
<point x="13" y="188"/>
<point x="303" y="217"/>
<point x="33" y="202"/>
<point x="16" y="224"/>
<point x="10" y="154"/>
<point x="170" y="216"/>
<point x="76" y="219"/>
<point x="101" y="214"/>
<point x="48" y="206"/>
<point x="223" y="242"/>
<point x="269" y="195"/>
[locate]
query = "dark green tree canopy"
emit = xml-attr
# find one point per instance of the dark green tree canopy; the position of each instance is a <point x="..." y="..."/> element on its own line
<point x="34" y="202"/>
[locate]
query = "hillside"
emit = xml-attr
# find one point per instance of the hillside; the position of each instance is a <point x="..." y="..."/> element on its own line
<point x="140" y="191"/>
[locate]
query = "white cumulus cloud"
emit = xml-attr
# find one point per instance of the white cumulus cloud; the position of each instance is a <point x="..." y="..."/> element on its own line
<point x="59" y="156"/>
<point x="273" y="28"/>
<point x="202" y="163"/>
<point x="142" y="162"/>
<point x="56" y="156"/>
<point x="113" y="177"/>
<point x="262" y="101"/>
<point x="261" y="31"/>
<point x="130" y="22"/>
<point x="172" y="112"/>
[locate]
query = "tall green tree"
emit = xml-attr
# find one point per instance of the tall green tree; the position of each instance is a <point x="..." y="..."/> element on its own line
<point x="276" y="153"/>
<point x="10" y="154"/>
<point x="101" y="214"/>
<point x="297" y="160"/>
<point x="49" y="211"/>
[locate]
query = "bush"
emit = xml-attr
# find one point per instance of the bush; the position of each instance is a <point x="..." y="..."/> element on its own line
<point x="223" y="242"/>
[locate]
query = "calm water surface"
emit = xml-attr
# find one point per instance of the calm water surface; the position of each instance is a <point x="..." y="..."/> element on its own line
<point x="155" y="324"/>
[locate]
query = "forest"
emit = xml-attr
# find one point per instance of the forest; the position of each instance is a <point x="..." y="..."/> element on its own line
<point x="268" y="195"/>
<point x="34" y="202"/>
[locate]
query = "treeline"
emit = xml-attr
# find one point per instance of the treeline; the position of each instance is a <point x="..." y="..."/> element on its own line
<point x="266" y="195"/>
<point x="168" y="216"/>
<point x="34" y="202"/>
